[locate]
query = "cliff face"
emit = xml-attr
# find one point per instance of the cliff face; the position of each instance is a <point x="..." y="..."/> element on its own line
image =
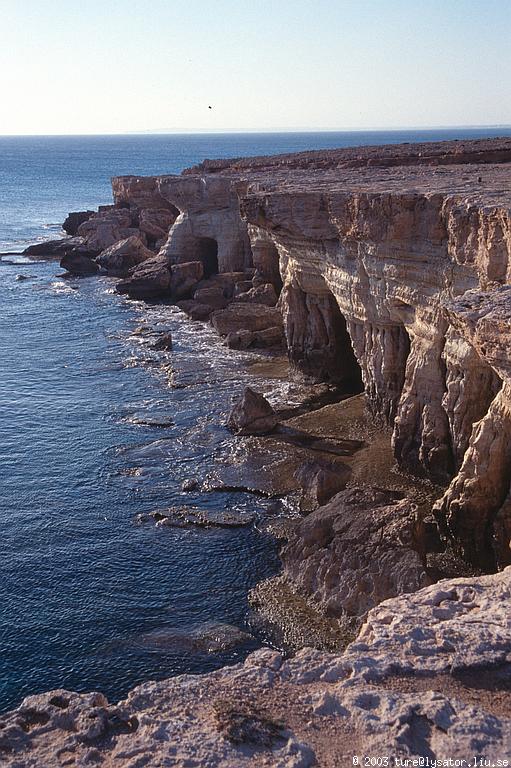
<point x="373" y="246"/>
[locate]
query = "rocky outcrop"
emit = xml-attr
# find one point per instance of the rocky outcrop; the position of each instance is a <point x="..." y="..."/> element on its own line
<point x="247" y="317"/>
<point x="209" y="226"/>
<point x="57" y="249"/>
<point x="80" y="264"/>
<point x="476" y="506"/>
<point x="120" y="258"/>
<point x="364" y="546"/>
<point x="150" y="280"/>
<point x="366" y="250"/>
<point x="252" y="415"/>
<point x="426" y="677"/>
<point x="73" y="221"/>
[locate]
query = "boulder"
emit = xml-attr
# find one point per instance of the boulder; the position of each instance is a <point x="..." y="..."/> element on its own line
<point x="184" y="278"/>
<point x="363" y="547"/>
<point x="155" y="223"/>
<point x="269" y="337"/>
<point x="252" y="415"/>
<point x="250" y="317"/>
<point x="164" y="342"/>
<point x="239" y="339"/>
<point x="261" y="294"/>
<point x="320" y="482"/>
<point x="74" y="219"/>
<point x="78" y="263"/>
<point x="212" y="295"/>
<point x="121" y="257"/>
<point x="150" y="280"/>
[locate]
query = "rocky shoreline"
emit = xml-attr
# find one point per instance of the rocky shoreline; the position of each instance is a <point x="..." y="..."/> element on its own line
<point x="384" y="274"/>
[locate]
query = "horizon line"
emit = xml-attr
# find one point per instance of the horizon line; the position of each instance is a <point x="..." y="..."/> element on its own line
<point x="170" y="132"/>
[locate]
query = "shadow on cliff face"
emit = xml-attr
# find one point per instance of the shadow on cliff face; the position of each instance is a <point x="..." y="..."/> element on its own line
<point x="318" y="340"/>
<point x="207" y="252"/>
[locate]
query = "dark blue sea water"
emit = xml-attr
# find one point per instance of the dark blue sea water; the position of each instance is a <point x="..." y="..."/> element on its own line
<point x="97" y="428"/>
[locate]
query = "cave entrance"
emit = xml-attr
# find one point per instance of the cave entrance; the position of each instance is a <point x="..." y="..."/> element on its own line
<point x="207" y="251"/>
<point x="346" y="370"/>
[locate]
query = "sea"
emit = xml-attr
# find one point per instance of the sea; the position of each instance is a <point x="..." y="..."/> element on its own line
<point x="98" y="431"/>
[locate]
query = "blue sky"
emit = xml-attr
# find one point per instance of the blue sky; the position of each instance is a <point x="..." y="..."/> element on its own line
<point x="109" y="67"/>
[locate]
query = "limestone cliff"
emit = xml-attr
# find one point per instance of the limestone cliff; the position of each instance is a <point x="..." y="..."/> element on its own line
<point x="372" y="246"/>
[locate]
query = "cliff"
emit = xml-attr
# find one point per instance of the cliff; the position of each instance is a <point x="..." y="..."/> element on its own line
<point x="375" y="248"/>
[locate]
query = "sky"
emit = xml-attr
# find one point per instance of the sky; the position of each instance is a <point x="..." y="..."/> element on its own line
<point x="109" y="66"/>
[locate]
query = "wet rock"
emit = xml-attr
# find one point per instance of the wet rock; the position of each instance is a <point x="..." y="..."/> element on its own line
<point x="74" y="219"/>
<point x="186" y="517"/>
<point x="361" y="548"/>
<point x="189" y="484"/>
<point x="79" y="264"/>
<point x="164" y="342"/>
<point x="154" y="419"/>
<point x="252" y="415"/>
<point x="250" y="317"/>
<point x="210" y="637"/>
<point x="184" y="278"/>
<point x="56" y="249"/>
<point x="239" y="339"/>
<point x="150" y="280"/>
<point x="121" y="257"/>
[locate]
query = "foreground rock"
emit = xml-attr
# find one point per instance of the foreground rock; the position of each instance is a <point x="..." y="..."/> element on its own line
<point x="425" y="678"/>
<point x="252" y="415"/>
<point x="364" y="546"/>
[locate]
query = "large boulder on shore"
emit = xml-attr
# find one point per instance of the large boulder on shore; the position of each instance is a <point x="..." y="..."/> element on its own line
<point x="252" y="415"/>
<point x="246" y="317"/>
<point x="107" y="227"/>
<point x="121" y="257"/>
<point x="260" y="294"/>
<point x="150" y="280"/>
<point x="79" y="263"/>
<point x="185" y="278"/>
<point x="74" y="219"/>
<point x="364" y="546"/>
